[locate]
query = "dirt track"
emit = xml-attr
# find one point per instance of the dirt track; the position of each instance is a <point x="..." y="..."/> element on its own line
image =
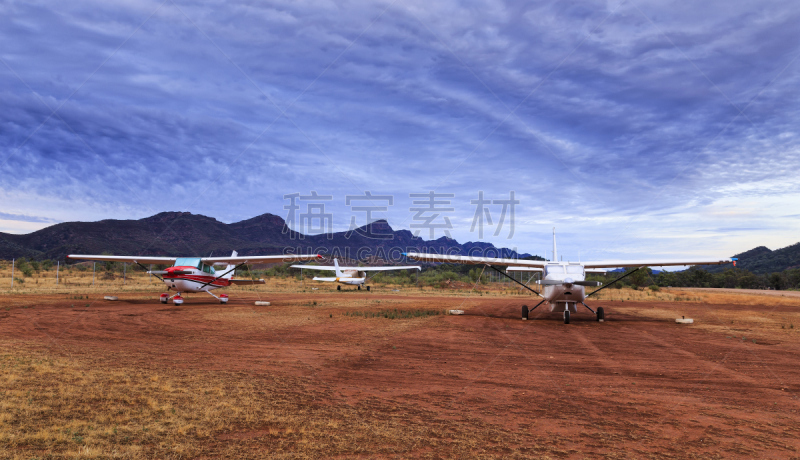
<point x="636" y="386"/>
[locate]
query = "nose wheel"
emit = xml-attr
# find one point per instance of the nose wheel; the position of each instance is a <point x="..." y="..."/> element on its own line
<point x="566" y="316"/>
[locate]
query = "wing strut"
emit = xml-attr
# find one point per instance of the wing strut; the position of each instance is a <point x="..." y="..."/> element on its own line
<point x="220" y="276"/>
<point x="146" y="269"/>
<point x="618" y="279"/>
<point x="512" y="279"/>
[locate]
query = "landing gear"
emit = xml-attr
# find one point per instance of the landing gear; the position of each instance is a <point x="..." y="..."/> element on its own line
<point x="601" y="314"/>
<point x="566" y="316"/>
<point x="177" y="299"/>
<point x="524" y="313"/>
<point x="164" y="297"/>
<point x="367" y="288"/>
<point x="223" y="298"/>
<point x="338" y="288"/>
<point x="359" y="288"/>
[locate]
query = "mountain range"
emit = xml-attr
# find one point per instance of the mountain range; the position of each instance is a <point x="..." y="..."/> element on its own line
<point x="186" y="234"/>
<point x="183" y="233"/>
<point x="761" y="260"/>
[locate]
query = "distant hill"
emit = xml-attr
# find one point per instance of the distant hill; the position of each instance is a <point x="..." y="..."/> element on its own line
<point x="183" y="233"/>
<point x="762" y="260"/>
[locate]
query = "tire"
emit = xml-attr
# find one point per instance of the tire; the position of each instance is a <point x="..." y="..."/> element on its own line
<point x="524" y="312"/>
<point x="601" y="314"/>
<point x="338" y="288"/>
<point x="566" y="316"/>
<point x="359" y="288"/>
<point x="367" y="288"/>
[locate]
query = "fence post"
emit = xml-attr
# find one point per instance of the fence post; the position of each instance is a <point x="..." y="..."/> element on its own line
<point x="12" y="272"/>
<point x="94" y="266"/>
<point x="124" y="270"/>
<point x="58" y="265"/>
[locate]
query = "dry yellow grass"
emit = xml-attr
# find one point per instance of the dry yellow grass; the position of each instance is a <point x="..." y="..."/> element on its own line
<point x="57" y="407"/>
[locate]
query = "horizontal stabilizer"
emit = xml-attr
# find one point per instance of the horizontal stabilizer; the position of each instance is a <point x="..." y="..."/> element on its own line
<point x="246" y="282"/>
<point x="330" y="280"/>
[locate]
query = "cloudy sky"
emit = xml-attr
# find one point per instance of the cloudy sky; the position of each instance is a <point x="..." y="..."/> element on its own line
<point x="634" y="127"/>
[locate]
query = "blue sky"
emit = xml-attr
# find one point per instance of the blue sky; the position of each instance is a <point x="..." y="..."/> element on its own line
<point x="634" y="128"/>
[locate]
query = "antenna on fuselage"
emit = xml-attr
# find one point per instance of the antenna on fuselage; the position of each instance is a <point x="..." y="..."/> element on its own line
<point x="555" y="253"/>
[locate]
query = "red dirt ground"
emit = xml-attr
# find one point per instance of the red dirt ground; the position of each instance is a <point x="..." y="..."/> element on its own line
<point x="635" y="386"/>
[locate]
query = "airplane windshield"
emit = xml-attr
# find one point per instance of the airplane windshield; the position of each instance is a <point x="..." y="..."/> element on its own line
<point x="188" y="262"/>
<point x="574" y="269"/>
<point x="555" y="269"/>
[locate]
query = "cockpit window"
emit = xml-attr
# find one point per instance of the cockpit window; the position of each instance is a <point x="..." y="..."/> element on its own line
<point x="208" y="269"/>
<point x="188" y="262"/>
<point x="554" y="269"/>
<point x="574" y="270"/>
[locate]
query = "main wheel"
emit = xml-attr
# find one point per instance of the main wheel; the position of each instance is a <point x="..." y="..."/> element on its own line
<point x="359" y="288"/>
<point x="524" y="312"/>
<point x="338" y="288"/>
<point x="368" y="288"/>
<point x="601" y="314"/>
<point x="566" y="316"/>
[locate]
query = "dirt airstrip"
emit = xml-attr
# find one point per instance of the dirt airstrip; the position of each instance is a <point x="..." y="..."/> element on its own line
<point x="386" y="375"/>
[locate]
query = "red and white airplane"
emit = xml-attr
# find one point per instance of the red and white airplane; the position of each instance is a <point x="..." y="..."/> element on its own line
<point x="197" y="274"/>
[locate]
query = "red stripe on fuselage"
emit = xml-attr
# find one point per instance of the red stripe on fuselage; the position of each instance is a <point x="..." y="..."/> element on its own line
<point x="222" y="282"/>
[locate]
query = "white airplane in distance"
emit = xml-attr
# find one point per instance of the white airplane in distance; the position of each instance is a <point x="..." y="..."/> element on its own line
<point x="350" y="275"/>
<point x="564" y="282"/>
<point x="197" y="274"/>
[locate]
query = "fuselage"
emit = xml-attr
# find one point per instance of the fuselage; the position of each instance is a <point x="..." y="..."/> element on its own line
<point x="189" y="274"/>
<point x="349" y="277"/>
<point x="564" y="296"/>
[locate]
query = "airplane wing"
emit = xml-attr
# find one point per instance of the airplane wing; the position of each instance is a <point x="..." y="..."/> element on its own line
<point x="524" y="269"/>
<point x="235" y="260"/>
<point x="132" y="259"/>
<point x="380" y="269"/>
<point x="206" y="260"/>
<point x="470" y="260"/>
<point x="655" y="263"/>
<point x="360" y="269"/>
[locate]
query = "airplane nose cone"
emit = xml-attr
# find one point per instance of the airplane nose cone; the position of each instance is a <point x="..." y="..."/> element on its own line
<point x="568" y="281"/>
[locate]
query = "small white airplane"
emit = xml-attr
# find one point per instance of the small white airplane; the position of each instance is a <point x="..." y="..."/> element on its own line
<point x="197" y="274"/>
<point x="350" y="275"/>
<point x="564" y="282"/>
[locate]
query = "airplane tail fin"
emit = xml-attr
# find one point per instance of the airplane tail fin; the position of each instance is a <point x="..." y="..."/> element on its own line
<point x="339" y="273"/>
<point x="555" y="253"/>
<point x="230" y="268"/>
